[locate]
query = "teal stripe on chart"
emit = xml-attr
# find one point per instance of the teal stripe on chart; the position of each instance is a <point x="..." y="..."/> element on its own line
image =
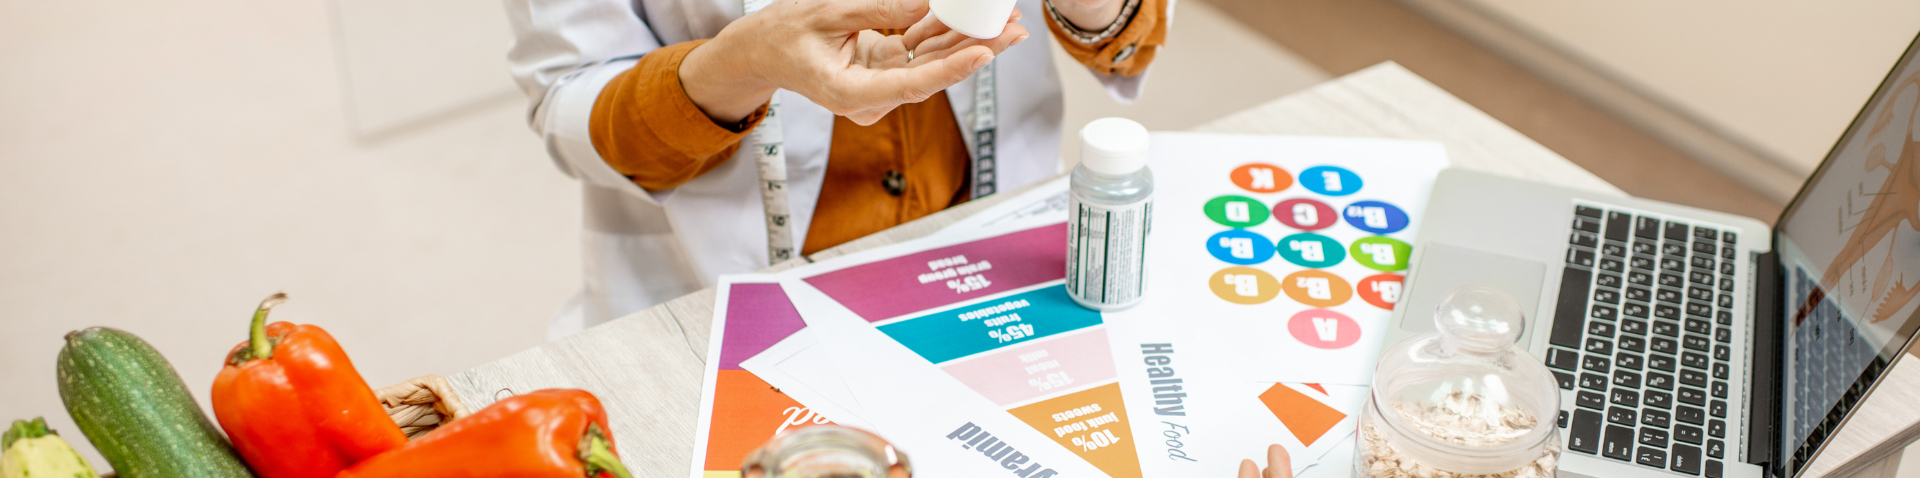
<point x="944" y="336"/>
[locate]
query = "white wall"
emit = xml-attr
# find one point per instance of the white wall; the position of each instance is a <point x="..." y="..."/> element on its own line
<point x="165" y="165"/>
<point x="1212" y="66"/>
<point x="1782" y="76"/>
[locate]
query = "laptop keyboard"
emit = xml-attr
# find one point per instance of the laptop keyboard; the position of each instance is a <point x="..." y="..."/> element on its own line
<point x="1643" y="340"/>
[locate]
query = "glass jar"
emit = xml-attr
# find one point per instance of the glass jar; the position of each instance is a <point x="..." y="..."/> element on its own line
<point x="827" y="451"/>
<point x="1465" y="401"/>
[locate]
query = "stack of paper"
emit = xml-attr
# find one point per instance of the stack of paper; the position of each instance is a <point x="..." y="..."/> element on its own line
<point x="1273" y="265"/>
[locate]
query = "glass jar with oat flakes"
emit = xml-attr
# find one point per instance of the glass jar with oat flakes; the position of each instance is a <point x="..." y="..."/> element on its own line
<point x="1462" y="402"/>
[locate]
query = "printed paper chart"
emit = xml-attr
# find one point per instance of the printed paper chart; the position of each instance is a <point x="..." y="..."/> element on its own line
<point x="1316" y="416"/>
<point x="737" y="405"/>
<point x="1319" y="418"/>
<point x="744" y="409"/>
<point x="1197" y="421"/>
<point x="740" y="411"/>
<point x="1289" y="250"/>
<point x="976" y="347"/>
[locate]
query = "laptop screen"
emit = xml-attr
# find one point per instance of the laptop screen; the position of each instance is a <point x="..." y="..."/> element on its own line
<point x="1849" y="247"/>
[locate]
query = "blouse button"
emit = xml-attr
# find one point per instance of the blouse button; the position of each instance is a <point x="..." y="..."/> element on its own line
<point x="895" y="183"/>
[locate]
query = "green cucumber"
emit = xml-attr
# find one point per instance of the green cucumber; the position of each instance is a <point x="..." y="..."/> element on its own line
<point x="132" y="405"/>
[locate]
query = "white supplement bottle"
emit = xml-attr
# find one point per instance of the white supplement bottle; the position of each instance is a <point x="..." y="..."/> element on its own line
<point x="1109" y="214"/>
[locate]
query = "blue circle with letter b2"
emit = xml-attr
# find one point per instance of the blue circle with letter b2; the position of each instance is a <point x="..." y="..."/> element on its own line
<point x="1330" y="180"/>
<point x="1375" y="217"/>
<point x="1238" y="246"/>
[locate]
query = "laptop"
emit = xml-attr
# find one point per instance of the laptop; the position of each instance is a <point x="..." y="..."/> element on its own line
<point x="1689" y="342"/>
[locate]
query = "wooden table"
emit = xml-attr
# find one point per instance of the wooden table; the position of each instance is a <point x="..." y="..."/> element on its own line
<point x="647" y="367"/>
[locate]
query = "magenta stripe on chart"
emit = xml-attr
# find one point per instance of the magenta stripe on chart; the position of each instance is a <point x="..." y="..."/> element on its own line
<point x="889" y="288"/>
<point x="758" y="316"/>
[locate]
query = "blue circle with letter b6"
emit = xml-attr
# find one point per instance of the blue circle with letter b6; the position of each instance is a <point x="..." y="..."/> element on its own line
<point x="1237" y="246"/>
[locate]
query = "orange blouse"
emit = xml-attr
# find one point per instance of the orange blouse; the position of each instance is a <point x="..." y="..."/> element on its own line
<point x="646" y="127"/>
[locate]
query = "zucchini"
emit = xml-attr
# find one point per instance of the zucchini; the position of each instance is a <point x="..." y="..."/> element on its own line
<point x="33" y="451"/>
<point x="132" y="405"/>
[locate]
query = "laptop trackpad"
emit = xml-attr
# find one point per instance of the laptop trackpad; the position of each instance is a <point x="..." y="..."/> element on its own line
<point x="1444" y="267"/>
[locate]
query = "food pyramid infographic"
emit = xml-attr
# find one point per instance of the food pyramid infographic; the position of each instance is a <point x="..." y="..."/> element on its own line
<point x="1016" y="339"/>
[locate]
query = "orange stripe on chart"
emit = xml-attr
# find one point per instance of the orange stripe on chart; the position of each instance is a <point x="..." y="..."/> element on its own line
<point x="1307" y="418"/>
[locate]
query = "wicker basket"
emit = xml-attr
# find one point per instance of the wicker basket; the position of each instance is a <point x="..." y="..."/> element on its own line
<point x="421" y="404"/>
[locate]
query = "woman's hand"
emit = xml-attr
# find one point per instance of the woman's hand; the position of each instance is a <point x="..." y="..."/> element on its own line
<point x="1089" y="15"/>
<point x="1278" y="465"/>
<point x="828" y="51"/>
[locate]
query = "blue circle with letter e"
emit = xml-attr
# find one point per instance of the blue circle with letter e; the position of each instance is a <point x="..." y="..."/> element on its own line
<point x="1238" y="246"/>
<point x="1330" y="180"/>
<point x="1375" y="217"/>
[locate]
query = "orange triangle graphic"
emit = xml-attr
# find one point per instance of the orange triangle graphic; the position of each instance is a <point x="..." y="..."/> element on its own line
<point x="1307" y="418"/>
<point x="1315" y="386"/>
<point x="1092" y="423"/>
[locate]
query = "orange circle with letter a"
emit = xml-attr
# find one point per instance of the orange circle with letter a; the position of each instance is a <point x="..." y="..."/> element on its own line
<point x="1317" y="288"/>
<point x="1262" y="178"/>
<point x="1244" y="285"/>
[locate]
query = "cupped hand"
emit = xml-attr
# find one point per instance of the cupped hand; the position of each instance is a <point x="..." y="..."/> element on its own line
<point x="829" y="52"/>
<point x="1279" y="465"/>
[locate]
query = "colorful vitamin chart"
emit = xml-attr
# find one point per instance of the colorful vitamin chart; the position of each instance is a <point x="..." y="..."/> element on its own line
<point x="946" y="345"/>
<point x="1289" y="250"/>
<point x="738" y="410"/>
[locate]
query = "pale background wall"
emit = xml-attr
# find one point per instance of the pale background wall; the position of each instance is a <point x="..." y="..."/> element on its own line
<point x="1782" y="76"/>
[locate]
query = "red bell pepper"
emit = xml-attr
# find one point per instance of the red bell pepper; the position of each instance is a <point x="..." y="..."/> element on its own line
<point x="293" y="404"/>
<point x="554" y="433"/>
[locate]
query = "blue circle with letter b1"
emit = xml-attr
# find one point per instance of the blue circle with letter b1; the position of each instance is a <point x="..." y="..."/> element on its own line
<point x="1238" y="246"/>
<point x="1375" y="217"/>
<point x="1330" y="180"/>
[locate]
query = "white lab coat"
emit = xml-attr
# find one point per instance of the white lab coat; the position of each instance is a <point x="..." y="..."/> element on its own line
<point x="645" y="247"/>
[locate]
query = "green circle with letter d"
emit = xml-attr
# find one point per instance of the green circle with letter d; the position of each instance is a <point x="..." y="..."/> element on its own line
<point x="1381" y="253"/>
<point x="1236" y="211"/>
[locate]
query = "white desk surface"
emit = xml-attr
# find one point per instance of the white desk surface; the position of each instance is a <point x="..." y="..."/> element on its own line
<point x="646" y="367"/>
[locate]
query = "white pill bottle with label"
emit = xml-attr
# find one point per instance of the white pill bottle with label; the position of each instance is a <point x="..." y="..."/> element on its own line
<point x="1109" y="214"/>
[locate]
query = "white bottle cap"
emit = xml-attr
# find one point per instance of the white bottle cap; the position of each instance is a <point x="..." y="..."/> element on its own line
<point x="983" y="19"/>
<point x="1113" y="146"/>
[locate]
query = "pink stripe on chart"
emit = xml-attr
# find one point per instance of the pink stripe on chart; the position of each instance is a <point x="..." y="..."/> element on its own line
<point x="1018" y="374"/>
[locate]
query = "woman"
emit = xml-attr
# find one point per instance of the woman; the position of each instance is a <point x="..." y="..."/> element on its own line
<point x="666" y="111"/>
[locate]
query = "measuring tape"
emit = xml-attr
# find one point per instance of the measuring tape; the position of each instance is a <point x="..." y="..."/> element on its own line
<point x="985" y="183"/>
<point x="766" y="145"/>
